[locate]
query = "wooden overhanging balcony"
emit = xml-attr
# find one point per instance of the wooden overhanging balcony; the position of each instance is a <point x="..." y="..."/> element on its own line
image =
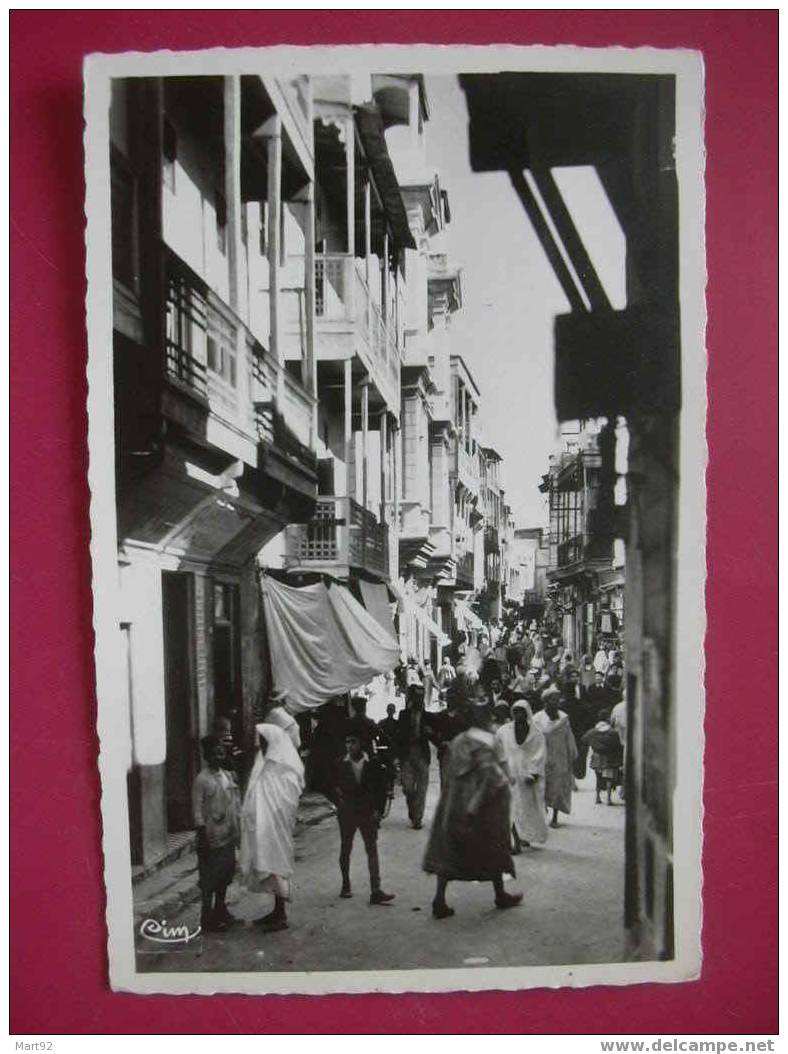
<point x="346" y="312"/>
<point x="283" y="410"/>
<point x="341" y="537"/>
<point x="492" y="541"/>
<point x="468" y="474"/>
<point x="213" y="357"/>
<point x="464" y="573"/>
<point x="582" y="552"/>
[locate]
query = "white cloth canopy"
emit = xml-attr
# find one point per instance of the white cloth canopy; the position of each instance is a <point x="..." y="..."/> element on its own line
<point x="322" y="642"/>
<point x="466" y="617"/>
<point x="414" y="606"/>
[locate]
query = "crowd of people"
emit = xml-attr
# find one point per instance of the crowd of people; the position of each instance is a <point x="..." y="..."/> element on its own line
<point x="513" y="720"/>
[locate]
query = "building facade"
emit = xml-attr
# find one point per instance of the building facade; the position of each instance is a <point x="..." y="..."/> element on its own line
<point x="581" y="558"/>
<point x="361" y="235"/>
<point x="215" y="434"/>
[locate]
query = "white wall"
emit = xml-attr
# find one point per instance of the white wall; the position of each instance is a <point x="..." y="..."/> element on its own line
<point x="141" y="608"/>
<point x="189" y="211"/>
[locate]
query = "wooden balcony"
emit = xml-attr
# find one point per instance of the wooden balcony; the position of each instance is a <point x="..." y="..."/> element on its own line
<point x="464" y="575"/>
<point x="468" y="469"/>
<point x="246" y="396"/>
<point x="346" y="314"/>
<point x="340" y="537"/>
<point x="492" y="541"/>
<point x="581" y="553"/>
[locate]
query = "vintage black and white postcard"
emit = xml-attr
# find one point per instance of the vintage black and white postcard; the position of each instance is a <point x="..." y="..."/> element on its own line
<point x="396" y="422"/>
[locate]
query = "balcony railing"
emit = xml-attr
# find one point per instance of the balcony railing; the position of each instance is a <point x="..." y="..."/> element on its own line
<point x="492" y="542"/>
<point x="341" y="532"/>
<point x="584" y="548"/>
<point x="467" y="468"/>
<point x="204" y="340"/>
<point x="342" y="295"/>
<point x="570" y="551"/>
<point x="291" y="428"/>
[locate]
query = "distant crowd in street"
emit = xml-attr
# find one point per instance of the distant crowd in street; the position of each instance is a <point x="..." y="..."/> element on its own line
<point x="515" y="722"/>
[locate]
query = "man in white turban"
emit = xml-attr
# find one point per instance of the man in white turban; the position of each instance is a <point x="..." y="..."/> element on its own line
<point x="268" y="820"/>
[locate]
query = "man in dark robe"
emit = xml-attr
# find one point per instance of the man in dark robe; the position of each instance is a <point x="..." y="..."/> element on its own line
<point x="328" y="746"/>
<point x="413" y="748"/>
<point x="469" y="840"/>
<point x="445" y="726"/>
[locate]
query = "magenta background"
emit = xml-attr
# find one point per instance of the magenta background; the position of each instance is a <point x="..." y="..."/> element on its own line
<point x="58" y="938"/>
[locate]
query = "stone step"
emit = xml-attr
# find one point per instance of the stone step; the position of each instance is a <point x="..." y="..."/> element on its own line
<point x="178" y="845"/>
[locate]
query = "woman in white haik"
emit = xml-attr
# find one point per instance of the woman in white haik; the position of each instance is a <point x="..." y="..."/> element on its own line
<point x="279" y="715"/>
<point x="268" y="819"/>
<point x="525" y="752"/>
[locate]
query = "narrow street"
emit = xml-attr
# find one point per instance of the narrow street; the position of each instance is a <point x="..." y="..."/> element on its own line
<point x="572" y="911"/>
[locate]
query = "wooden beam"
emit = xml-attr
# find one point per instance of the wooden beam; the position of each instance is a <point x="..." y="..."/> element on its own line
<point x="569" y="235"/>
<point x="546" y="240"/>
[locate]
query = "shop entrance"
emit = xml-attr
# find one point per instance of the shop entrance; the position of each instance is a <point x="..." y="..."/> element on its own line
<point x="182" y="760"/>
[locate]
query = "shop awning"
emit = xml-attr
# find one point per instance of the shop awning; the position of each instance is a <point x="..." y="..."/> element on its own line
<point x="322" y="642"/>
<point x="372" y="133"/>
<point x="429" y="624"/>
<point x="376" y="600"/>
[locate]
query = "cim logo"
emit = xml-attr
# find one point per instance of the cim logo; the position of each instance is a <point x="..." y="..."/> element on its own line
<point x="161" y="933"/>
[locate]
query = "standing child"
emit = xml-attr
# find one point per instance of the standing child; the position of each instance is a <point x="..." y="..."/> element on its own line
<point x="606" y="756"/>
<point x="215" y="801"/>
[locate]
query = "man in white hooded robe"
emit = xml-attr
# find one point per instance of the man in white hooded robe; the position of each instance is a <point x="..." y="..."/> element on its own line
<point x="525" y="752"/>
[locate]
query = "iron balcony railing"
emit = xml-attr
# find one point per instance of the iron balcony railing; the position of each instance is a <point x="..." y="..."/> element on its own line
<point x="340" y="532"/>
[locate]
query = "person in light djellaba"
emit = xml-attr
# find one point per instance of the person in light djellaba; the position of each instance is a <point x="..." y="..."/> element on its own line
<point x="525" y="754"/>
<point x="268" y="817"/>
<point x="469" y="840"/>
<point x="561" y="754"/>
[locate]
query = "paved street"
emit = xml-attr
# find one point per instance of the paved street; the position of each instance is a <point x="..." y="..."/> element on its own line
<point x="572" y="912"/>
